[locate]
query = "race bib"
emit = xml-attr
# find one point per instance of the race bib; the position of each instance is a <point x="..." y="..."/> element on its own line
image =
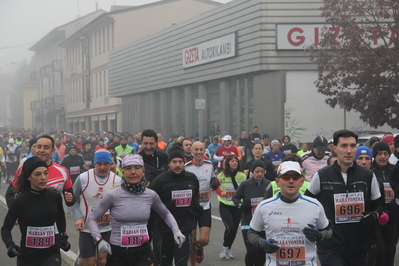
<point x="134" y="236"/>
<point x="182" y="198"/>
<point x="277" y="163"/>
<point x="40" y="237"/>
<point x="229" y="193"/>
<point x="254" y="203"/>
<point x="204" y="195"/>
<point x="388" y="192"/>
<point x="286" y="152"/>
<point x="87" y="164"/>
<point x="292" y="250"/>
<point x="104" y="220"/>
<point x="349" y="207"/>
<point x="74" y="170"/>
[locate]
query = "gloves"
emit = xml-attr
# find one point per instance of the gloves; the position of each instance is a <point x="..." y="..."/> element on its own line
<point x="14" y="250"/>
<point x="369" y="219"/>
<point x="179" y="238"/>
<point x="384" y="218"/>
<point x="64" y="244"/>
<point x="269" y="245"/>
<point x="104" y="247"/>
<point x="312" y="233"/>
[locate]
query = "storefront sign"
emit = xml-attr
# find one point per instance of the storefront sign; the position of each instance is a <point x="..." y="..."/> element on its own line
<point x="213" y="50"/>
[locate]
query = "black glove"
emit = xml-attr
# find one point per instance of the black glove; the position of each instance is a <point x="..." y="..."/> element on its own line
<point x="369" y="219"/>
<point x="312" y="233"/>
<point x="14" y="250"/>
<point x="269" y="245"/>
<point x="64" y="244"/>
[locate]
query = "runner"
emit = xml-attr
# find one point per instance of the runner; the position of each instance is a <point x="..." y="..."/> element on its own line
<point x="228" y="182"/>
<point x="89" y="188"/>
<point x="204" y="171"/>
<point x="290" y="221"/>
<point x="130" y="206"/>
<point x="247" y="197"/>
<point x="38" y="210"/>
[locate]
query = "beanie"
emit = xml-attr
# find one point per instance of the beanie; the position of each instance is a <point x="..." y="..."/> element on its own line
<point x="32" y="141"/>
<point x="363" y="150"/>
<point x="132" y="159"/>
<point x="102" y="156"/>
<point x="387" y="138"/>
<point x="396" y="141"/>
<point x="257" y="163"/>
<point x="381" y="146"/>
<point x="175" y="152"/>
<point x="31" y="164"/>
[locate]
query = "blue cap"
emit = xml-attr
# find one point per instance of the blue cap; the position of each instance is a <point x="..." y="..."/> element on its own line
<point x="102" y="156"/>
<point x="361" y="150"/>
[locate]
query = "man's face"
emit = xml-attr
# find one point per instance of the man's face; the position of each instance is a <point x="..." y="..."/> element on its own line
<point x="391" y="146"/>
<point x="382" y="158"/>
<point x="286" y="140"/>
<point x="102" y="169"/>
<point x="255" y="130"/>
<point x="117" y="139"/>
<point x="176" y="165"/>
<point x="198" y="150"/>
<point x="346" y="151"/>
<point x="227" y="143"/>
<point x="57" y="141"/>
<point x="149" y="145"/>
<point x="33" y="149"/>
<point x="110" y="136"/>
<point x="44" y="149"/>
<point x="243" y="134"/>
<point x="130" y="139"/>
<point x="319" y="154"/>
<point x="275" y="148"/>
<point x="87" y="147"/>
<point x="187" y="146"/>
<point x="79" y="140"/>
<point x="364" y="160"/>
<point x="266" y="141"/>
<point x="72" y="152"/>
<point x="215" y="142"/>
<point x="304" y="147"/>
<point x="123" y="140"/>
<point x="289" y="186"/>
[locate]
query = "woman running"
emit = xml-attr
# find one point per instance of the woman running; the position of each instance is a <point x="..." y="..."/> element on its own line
<point x="130" y="206"/>
<point x="38" y="210"/>
<point x="228" y="182"/>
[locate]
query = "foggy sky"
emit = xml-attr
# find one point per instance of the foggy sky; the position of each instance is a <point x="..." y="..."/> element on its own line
<point x="24" y="22"/>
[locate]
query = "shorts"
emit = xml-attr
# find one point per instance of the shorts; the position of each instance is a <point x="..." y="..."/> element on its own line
<point x="205" y="219"/>
<point x="87" y="247"/>
<point x="137" y="256"/>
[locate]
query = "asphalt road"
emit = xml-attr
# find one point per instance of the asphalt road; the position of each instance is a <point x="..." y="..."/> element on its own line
<point x="211" y="251"/>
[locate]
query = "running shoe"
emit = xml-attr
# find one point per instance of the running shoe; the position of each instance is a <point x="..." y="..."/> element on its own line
<point x="200" y="254"/>
<point x="230" y="254"/>
<point x="223" y="254"/>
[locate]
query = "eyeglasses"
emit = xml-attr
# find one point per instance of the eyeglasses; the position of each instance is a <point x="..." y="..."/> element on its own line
<point x="130" y="168"/>
<point x="287" y="177"/>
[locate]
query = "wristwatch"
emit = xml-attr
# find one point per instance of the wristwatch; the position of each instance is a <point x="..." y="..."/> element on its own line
<point x="97" y="240"/>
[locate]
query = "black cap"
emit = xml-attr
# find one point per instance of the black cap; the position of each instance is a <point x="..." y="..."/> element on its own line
<point x="320" y="143"/>
<point x="257" y="163"/>
<point x="265" y="136"/>
<point x="175" y="152"/>
<point x="31" y="164"/>
<point x="381" y="146"/>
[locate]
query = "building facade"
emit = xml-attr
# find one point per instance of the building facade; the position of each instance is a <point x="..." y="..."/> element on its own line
<point x="88" y="102"/>
<point x="229" y="69"/>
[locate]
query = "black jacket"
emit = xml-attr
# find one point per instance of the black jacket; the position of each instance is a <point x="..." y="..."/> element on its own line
<point x="154" y="164"/>
<point x="73" y="161"/>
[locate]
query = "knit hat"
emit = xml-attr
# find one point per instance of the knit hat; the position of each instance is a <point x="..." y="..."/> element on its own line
<point x="381" y="146"/>
<point x="31" y="164"/>
<point x="32" y="141"/>
<point x="363" y="150"/>
<point x="387" y="138"/>
<point x="11" y="141"/>
<point x="73" y="147"/>
<point x="396" y="141"/>
<point x="175" y="152"/>
<point x="102" y="155"/>
<point x="257" y="163"/>
<point x="275" y="142"/>
<point x="132" y="159"/>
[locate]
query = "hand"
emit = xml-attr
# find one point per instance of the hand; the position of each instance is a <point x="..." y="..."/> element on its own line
<point x="64" y="244"/>
<point x="312" y="233"/>
<point x="245" y="206"/>
<point x="104" y="247"/>
<point x="68" y="196"/>
<point x="14" y="250"/>
<point x="270" y="246"/>
<point x="179" y="238"/>
<point x="80" y="224"/>
<point x="369" y="219"/>
<point x="383" y="219"/>
<point x="224" y="194"/>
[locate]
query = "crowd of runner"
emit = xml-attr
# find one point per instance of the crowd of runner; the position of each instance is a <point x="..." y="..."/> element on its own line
<point x="138" y="200"/>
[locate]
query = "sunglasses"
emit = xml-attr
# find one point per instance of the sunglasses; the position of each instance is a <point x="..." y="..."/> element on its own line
<point x="287" y="177"/>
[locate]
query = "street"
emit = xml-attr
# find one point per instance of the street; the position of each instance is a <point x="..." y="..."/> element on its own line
<point x="211" y="251"/>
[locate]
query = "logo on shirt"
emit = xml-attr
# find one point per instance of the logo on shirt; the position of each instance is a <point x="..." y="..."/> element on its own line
<point x="289" y="222"/>
<point x="275" y="213"/>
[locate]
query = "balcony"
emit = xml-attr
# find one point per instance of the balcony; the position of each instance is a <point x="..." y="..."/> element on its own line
<point x="46" y="71"/>
<point x="34" y="76"/>
<point x="56" y="65"/>
<point x="54" y="102"/>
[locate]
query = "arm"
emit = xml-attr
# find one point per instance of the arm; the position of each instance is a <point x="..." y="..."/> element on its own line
<point x="9" y="221"/>
<point x="164" y="213"/>
<point x="77" y="213"/>
<point x="104" y="205"/>
<point x="268" y="192"/>
<point x="239" y="195"/>
<point x="218" y="190"/>
<point x="10" y="196"/>
<point x="68" y="191"/>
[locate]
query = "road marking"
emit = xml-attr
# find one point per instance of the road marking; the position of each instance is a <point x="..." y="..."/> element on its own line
<point x="216" y="217"/>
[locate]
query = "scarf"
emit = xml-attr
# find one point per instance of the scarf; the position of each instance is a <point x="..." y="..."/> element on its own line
<point x="136" y="189"/>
